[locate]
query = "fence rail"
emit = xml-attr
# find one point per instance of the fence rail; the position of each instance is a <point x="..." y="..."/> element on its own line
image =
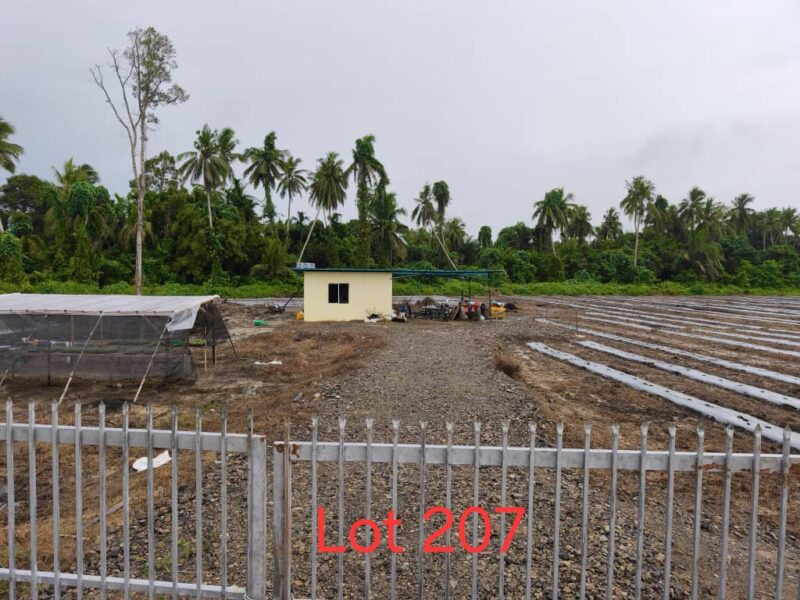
<point x="149" y="439"/>
<point x="365" y="478"/>
<point x="531" y="460"/>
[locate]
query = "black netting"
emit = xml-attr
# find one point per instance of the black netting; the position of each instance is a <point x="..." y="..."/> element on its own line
<point x="114" y="347"/>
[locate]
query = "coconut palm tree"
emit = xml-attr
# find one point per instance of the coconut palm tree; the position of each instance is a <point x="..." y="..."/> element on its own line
<point x="455" y="233"/>
<point x="740" y="216"/>
<point x="635" y="203"/>
<point x="265" y="165"/>
<point x="237" y="197"/>
<point x="704" y="255"/>
<point x="9" y="152"/>
<point x="579" y="224"/>
<point x="80" y="205"/>
<point x="292" y="182"/>
<point x="327" y="190"/>
<point x="712" y="218"/>
<point x="772" y="218"/>
<point x="427" y="211"/>
<point x="227" y="142"/>
<point x="657" y="215"/>
<point x="205" y="163"/>
<point x="552" y="213"/>
<point x="691" y="208"/>
<point x="366" y="170"/>
<point x="386" y="227"/>
<point x="424" y="212"/>
<point x="128" y="231"/>
<point x="61" y="213"/>
<point x="441" y="200"/>
<point x="441" y="196"/>
<point x="72" y="173"/>
<point x="611" y="226"/>
<point x="485" y="236"/>
<point x="788" y="222"/>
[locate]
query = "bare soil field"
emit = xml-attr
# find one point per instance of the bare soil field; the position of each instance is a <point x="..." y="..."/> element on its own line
<point x="461" y="372"/>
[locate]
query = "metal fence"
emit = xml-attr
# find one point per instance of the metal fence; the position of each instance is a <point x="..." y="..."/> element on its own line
<point x="78" y="437"/>
<point x="564" y="497"/>
<point x="526" y="465"/>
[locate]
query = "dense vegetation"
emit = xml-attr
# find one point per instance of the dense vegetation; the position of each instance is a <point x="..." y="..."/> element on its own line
<point x="219" y="216"/>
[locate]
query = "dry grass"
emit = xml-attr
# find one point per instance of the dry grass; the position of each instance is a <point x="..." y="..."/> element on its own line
<point x="310" y="354"/>
<point x="507" y="363"/>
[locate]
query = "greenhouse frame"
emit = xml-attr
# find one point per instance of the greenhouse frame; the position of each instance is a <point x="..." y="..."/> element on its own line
<point x="117" y="338"/>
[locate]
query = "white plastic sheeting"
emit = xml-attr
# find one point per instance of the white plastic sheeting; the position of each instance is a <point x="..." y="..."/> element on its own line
<point x="720" y="362"/>
<point x="658" y="323"/>
<point x="720" y="414"/>
<point x="696" y="336"/>
<point x="715" y="323"/>
<point x="182" y="310"/>
<point x="728" y="384"/>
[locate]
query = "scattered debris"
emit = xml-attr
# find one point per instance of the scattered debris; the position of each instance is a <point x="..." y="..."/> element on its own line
<point x="140" y="464"/>
<point x="399" y="316"/>
<point x="272" y="362"/>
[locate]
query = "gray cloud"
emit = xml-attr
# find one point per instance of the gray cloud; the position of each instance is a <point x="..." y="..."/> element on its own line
<point x="504" y="100"/>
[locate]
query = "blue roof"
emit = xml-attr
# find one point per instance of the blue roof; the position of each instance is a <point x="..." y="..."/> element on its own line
<point x="409" y="272"/>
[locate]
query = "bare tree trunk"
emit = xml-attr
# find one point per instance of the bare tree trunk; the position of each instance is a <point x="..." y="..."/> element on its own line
<point x="310" y="231"/>
<point x="2" y="229"/>
<point x="139" y="209"/>
<point x="139" y="175"/>
<point x="636" y="245"/>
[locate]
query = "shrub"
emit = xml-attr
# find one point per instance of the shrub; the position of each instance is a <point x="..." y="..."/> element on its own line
<point x="768" y="274"/>
<point x="615" y="265"/>
<point x="645" y="275"/>
<point x="12" y="268"/>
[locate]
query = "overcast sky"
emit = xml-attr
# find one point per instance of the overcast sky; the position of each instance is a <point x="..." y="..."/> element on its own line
<point x="503" y="100"/>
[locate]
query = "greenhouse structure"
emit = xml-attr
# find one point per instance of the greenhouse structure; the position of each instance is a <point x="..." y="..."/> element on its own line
<point x="57" y="336"/>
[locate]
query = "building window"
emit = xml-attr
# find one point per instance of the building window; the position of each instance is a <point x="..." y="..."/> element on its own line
<point x="338" y="293"/>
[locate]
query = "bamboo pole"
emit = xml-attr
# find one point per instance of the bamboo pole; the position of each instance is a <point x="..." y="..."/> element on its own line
<point x="150" y="364"/>
<point x="80" y="356"/>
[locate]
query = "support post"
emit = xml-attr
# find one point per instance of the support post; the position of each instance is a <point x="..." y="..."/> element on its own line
<point x="150" y="364"/>
<point x="256" y="515"/>
<point x="281" y="519"/>
<point x="213" y="346"/>
<point x="78" y="360"/>
<point x="49" y="350"/>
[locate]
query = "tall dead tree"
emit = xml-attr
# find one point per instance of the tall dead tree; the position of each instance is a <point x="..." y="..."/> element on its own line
<point x="143" y="72"/>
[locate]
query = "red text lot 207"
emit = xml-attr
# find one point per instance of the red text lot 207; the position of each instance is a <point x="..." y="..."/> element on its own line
<point x="432" y="543"/>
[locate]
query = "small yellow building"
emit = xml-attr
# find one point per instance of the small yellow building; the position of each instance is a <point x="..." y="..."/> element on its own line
<point x="346" y="294"/>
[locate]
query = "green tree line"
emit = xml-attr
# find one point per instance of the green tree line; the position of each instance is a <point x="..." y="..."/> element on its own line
<point x="220" y="212"/>
<point x="203" y="223"/>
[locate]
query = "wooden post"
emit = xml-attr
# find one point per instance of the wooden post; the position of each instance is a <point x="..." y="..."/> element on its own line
<point x="213" y="345"/>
